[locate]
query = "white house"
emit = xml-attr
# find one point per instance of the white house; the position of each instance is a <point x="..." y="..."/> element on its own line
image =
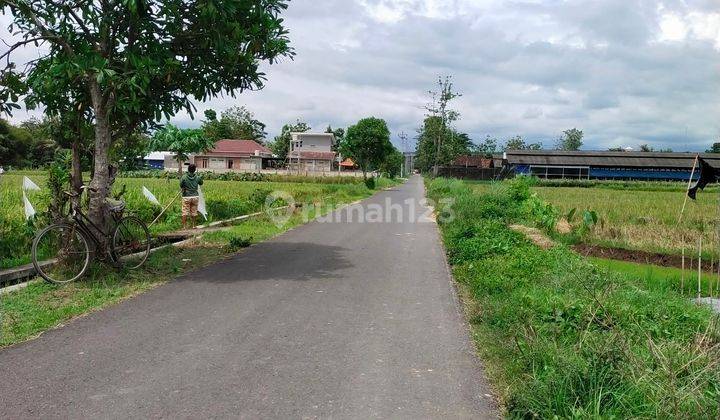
<point x="312" y="152"/>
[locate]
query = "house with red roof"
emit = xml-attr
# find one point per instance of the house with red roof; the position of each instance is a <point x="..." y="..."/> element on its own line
<point x="233" y="155"/>
<point x="312" y="152"/>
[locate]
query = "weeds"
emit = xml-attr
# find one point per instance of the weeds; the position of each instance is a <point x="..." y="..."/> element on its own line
<point x="565" y="338"/>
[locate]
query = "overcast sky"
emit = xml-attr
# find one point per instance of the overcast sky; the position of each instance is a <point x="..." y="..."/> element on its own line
<point x="625" y="72"/>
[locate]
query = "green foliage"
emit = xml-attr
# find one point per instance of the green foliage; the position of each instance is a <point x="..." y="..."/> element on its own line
<point x="58" y="181"/>
<point x="563" y="338"/>
<point x="181" y="141"/>
<point x="392" y="164"/>
<point x="518" y="143"/>
<point x="488" y="147"/>
<point x="453" y="144"/>
<point x="124" y="67"/>
<point x="715" y="148"/>
<point x="370" y="183"/>
<point x="235" y="123"/>
<point x="238" y="242"/>
<point x="571" y="140"/>
<point x="367" y="143"/>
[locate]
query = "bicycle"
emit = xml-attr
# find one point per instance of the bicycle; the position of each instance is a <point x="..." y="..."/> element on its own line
<point x="61" y="252"/>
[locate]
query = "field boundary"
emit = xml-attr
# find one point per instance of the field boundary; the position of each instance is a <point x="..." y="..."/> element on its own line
<point x="637" y="256"/>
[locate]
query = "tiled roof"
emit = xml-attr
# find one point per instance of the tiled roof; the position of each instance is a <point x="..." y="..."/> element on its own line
<point x="475" y="161"/>
<point x="348" y="162"/>
<point x="237" y="148"/>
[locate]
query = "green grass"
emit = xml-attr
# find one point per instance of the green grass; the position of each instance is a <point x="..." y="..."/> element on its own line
<point x="40" y="306"/>
<point x="637" y="215"/>
<point x="663" y="278"/>
<point x="225" y="199"/>
<point x="564" y="337"/>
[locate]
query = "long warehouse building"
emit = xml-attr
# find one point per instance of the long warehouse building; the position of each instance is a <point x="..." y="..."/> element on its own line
<point x="557" y="164"/>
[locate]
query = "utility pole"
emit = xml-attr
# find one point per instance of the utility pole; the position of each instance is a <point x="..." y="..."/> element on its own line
<point x="403" y="143"/>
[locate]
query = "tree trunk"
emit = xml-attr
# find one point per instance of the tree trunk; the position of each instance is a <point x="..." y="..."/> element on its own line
<point x="101" y="179"/>
<point x="180" y="167"/>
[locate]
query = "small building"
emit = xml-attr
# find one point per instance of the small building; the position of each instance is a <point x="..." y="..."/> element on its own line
<point x="311" y="152"/>
<point x="557" y="164"/>
<point x="348" y="165"/>
<point x="233" y="155"/>
<point x="156" y="160"/>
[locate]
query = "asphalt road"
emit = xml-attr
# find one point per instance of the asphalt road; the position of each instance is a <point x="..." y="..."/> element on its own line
<point x="330" y="320"/>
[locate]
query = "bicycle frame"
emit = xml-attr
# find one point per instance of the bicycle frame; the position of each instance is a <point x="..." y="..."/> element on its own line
<point x="84" y="224"/>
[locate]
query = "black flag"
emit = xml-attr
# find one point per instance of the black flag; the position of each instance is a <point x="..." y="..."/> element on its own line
<point x="707" y="176"/>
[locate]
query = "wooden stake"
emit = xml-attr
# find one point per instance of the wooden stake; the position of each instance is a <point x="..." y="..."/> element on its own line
<point x="699" y="266"/>
<point x="682" y="272"/>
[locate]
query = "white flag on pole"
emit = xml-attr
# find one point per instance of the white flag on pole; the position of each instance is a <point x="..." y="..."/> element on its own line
<point x="29" y="210"/>
<point x="29" y="185"/>
<point x="151" y="198"/>
<point x="201" y="203"/>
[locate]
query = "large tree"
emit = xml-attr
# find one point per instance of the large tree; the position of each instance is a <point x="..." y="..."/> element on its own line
<point x="367" y="143"/>
<point x="452" y="144"/>
<point x="281" y="145"/>
<point x="439" y="108"/>
<point x="128" y="64"/>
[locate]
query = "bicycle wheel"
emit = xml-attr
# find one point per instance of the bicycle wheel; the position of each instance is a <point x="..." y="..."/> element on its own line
<point x="60" y="253"/>
<point x="131" y="242"/>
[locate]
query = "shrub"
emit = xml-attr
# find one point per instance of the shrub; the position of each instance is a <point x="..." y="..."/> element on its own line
<point x="370" y="183"/>
<point x="238" y="242"/>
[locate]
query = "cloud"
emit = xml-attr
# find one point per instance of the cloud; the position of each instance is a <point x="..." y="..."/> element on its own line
<point x="626" y="72"/>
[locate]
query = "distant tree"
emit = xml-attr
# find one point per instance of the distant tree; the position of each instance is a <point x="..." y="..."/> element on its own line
<point x="452" y="144"/>
<point x="615" y="149"/>
<point x="488" y="147"/>
<point x="515" y="143"/>
<point x="367" y="143"/>
<point x="129" y="151"/>
<point x="234" y="123"/>
<point x="181" y="142"/>
<point x="393" y="163"/>
<point x="646" y="148"/>
<point x="571" y="140"/>
<point x="439" y="108"/>
<point x="339" y="136"/>
<point x="518" y="143"/>
<point x="281" y="145"/>
<point x="715" y="148"/>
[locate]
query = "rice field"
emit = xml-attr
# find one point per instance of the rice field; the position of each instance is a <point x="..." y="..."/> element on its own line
<point x="643" y="216"/>
<point x="225" y="199"/>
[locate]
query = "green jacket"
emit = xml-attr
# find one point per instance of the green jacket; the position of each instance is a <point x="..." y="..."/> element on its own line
<point x="189" y="185"/>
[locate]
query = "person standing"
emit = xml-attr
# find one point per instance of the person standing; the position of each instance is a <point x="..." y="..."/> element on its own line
<point x="189" y="184"/>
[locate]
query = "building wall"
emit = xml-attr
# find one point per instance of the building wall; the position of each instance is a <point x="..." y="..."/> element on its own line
<point x="311" y="143"/>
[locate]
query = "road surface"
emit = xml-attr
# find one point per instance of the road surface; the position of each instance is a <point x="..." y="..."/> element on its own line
<point x="333" y="319"/>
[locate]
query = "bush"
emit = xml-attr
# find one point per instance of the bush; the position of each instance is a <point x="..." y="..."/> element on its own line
<point x="238" y="242"/>
<point x="370" y="183"/>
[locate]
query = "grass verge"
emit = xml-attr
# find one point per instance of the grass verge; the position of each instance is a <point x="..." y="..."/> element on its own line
<point x="27" y="312"/>
<point x="564" y="337"/>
